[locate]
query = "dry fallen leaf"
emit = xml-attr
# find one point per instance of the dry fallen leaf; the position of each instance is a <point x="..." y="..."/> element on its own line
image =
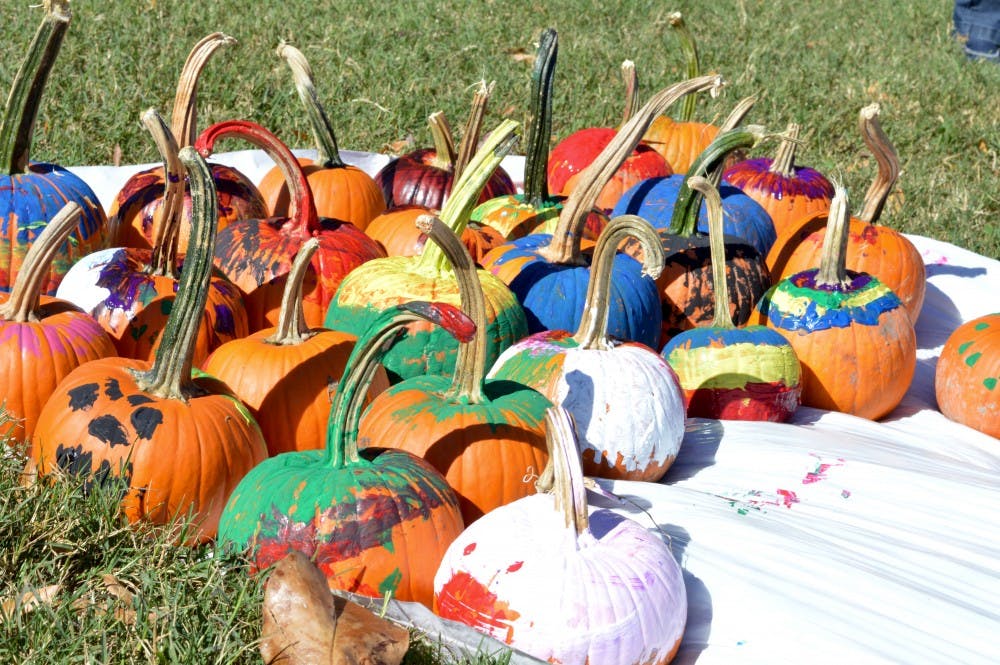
<point x="28" y="601"/>
<point x="521" y="55"/>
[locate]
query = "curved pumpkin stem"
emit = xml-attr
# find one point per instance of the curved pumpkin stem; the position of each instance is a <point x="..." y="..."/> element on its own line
<point x="565" y="245"/>
<point x="166" y="227"/>
<point x="444" y="142"/>
<point x="292" y="327"/>
<point x="631" y="80"/>
<point x="348" y="402"/>
<point x="17" y="127"/>
<point x="170" y="374"/>
<point x="888" y="164"/>
<point x="783" y="163"/>
<point x="466" y="190"/>
<point x="184" y="120"/>
<point x="536" y="184"/>
<point x="732" y="121"/>
<point x="593" y="330"/>
<point x="327" y="152"/>
<point x="470" y="366"/>
<point x="690" y="51"/>
<point x="717" y="242"/>
<point x="833" y="262"/>
<point x="302" y="216"/>
<point x="567" y="471"/>
<point x="473" y="127"/>
<point x="25" y="295"/>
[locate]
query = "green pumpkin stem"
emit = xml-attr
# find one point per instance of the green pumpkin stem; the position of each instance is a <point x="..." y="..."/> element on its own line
<point x="536" y="183"/>
<point x="170" y="374"/>
<point x="684" y="219"/>
<point x="470" y="365"/>
<point x="593" y="330"/>
<point x="783" y="163"/>
<point x="327" y="152"/>
<point x="690" y="52"/>
<point x="444" y="143"/>
<point x="17" y="127"/>
<point x="732" y="121"/>
<point x="631" y="79"/>
<point x="833" y="261"/>
<point x="567" y="472"/>
<point x="473" y="128"/>
<point x="565" y="245"/>
<point x="166" y="227"/>
<point x="292" y="327"/>
<point x="25" y="295"/>
<point x="717" y="242"/>
<point x="184" y="120"/>
<point x="888" y="164"/>
<point x="466" y="190"/>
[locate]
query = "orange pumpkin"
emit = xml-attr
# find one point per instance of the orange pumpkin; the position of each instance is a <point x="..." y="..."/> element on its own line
<point x="967" y="377"/>
<point x="396" y="232"/>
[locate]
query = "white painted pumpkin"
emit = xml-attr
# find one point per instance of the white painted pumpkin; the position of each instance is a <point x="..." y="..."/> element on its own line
<point x="627" y="402"/>
<point x="562" y="581"/>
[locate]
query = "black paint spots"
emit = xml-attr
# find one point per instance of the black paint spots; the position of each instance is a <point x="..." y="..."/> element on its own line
<point x="109" y="430"/>
<point x="145" y="420"/>
<point x="83" y="397"/>
<point x="113" y="390"/>
<point x="136" y="400"/>
<point x="79" y="464"/>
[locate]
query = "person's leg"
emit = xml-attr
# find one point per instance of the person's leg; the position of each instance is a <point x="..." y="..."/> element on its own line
<point x="977" y="23"/>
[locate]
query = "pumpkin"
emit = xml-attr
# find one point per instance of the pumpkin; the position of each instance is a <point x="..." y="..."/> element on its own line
<point x="485" y="437"/>
<point x="171" y="443"/>
<point x="624" y="397"/>
<point x="256" y="254"/>
<point x="132" y="291"/>
<point x="134" y="208"/>
<point x="375" y="521"/>
<point x="340" y="191"/>
<point x="381" y="283"/>
<point x="287" y="374"/>
<point x="785" y="190"/>
<point x="396" y="232"/>
<point x="549" y="273"/>
<point x="967" y="375"/>
<point x="563" y="581"/>
<point x="425" y="177"/>
<point x="871" y="247"/>
<point x="44" y="338"/>
<point x="749" y="373"/>
<point x="851" y="333"/>
<point x="34" y="192"/>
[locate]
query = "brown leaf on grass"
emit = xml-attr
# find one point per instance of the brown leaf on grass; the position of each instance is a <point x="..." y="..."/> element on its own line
<point x="401" y="146"/>
<point x="111" y="596"/>
<point x="521" y="55"/>
<point x="303" y="624"/>
<point x="28" y="601"/>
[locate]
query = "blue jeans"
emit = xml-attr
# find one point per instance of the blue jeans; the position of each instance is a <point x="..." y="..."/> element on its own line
<point x="977" y="22"/>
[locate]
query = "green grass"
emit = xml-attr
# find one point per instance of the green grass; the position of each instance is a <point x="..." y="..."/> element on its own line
<point x="381" y="68"/>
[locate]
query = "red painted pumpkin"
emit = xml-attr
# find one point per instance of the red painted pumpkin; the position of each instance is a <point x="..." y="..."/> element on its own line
<point x="967" y="377"/>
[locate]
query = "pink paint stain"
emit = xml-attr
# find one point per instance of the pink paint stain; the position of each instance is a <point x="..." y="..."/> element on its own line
<point x="514" y="567"/>
<point x="819" y="473"/>
<point x="469" y="549"/>
<point x="787" y="498"/>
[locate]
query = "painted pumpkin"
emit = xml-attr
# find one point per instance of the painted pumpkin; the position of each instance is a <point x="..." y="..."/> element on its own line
<point x="967" y="377"/>
<point x="749" y="373"/>
<point x="376" y="521"/>
<point x="34" y="192"/>
<point x="172" y="443"/>
<point x="563" y="581"/>
<point x="44" y="338"/>
<point x="851" y="333"/>
<point x="485" y="437"/>
<point x="624" y="397"/>
<point x="382" y="283"/>
<point x="396" y="232"/>
<point x="340" y="191"/>
<point x="256" y="254"/>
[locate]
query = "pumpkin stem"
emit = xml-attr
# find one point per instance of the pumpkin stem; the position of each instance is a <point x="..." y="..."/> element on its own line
<point x="25" y="295"/>
<point x="327" y="152"/>
<point x="536" y="185"/>
<point x="784" y="160"/>
<point x="833" y="262"/>
<point x="302" y="216"/>
<point x="184" y="121"/>
<point x="732" y="121"/>
<point x="444" y="144"/>
<point x="631" y="79"/>
<point x="170" y="374"/>
<point x="166" y="226"/>
<point x="292" y="327"/>
<point x="690" y="51"/>
<point x="470" y="366"/>
<point x="466" y="190"/>
<point x="565" y="245"/>
<point x="567" y="472"/>
<point x="888" y="164"/>
<point x="717" y="243"/>
<point x="684" y="219"/>
<point x="473" y="127"/>
<point x="348" y="401"/>
<point x="593" y="330"/>
<point x="17" y="126"/>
